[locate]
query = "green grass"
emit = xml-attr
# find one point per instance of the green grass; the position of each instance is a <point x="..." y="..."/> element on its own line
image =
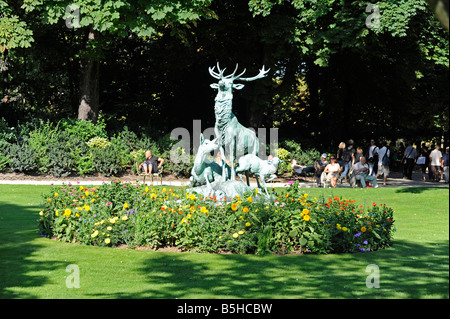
<point x="417" y="266"/>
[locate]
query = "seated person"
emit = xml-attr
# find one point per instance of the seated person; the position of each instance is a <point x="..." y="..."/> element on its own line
<point x="360" y="172"/>
<point x="151" y="164"/>
<point x="332" y="171"/>
<point x="299" y="169"/>
<point x="320" y="166"/>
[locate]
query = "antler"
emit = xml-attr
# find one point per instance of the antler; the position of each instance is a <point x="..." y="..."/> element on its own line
<point x="262" y="73"/>
<point x="216" y="75"/>
<point x="219" y="76"/>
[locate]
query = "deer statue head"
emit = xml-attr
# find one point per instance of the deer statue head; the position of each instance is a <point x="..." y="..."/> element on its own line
<point x="226" y="83"/>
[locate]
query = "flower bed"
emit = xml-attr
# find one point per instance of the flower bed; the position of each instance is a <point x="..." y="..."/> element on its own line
<point x="136" y="215"/>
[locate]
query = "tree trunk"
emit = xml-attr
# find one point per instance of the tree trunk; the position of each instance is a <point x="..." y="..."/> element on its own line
<point x="89" y="87"/>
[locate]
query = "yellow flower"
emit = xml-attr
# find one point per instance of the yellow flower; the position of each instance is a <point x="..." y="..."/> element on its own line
<point x="305" y="211"/>
<point x="49" y="200"/>
<point x="67" y="212"/>
<point x="107" y="241"/>
<point x="189" y="216"/>
<point x="112" y="220"/>
<point x="124" y="217"/>
<point x="93" y="200"/>
<point x="306" y="217"/>
<point x="86" y="193"/>
<point x="245" y="209"/>
<point x="94" y="234"/>
<point x="56" y="213"/>
<point x="247" y="224"/>
<point x="81" y="188"/>
<point x="363" y="229"/>
<point x="125" y="205"/>
<point x="77" y="215"/>
<point x="234" y="207"/>
<point x="41" y="213"/>
<point x="235" y="235"/>
<point x="192" y="197"/>
<point x="203" y="209"/>
<point x="241" y="217"/>
<point x="153" y="196"/>
<point x="344" y="228"/>
<point x="249" y="199"/>
<point x="109" y="228"/>
<point x="87" y="208"/>
<point x="56" y="194"/>
<point x="146" y="189"/>
<point x="241" y="232"/>
<point x="184" y="220"/>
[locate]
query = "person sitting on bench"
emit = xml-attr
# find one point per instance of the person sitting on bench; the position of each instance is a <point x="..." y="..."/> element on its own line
<point x="300" y="169"/>
<point x="360" y="172"/>
<point x="151" y="164"/>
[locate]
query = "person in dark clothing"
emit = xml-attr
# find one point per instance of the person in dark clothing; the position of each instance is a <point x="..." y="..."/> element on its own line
<point x="151" y="164"/>
<point x="409" y="160"/>
<point x="348" y="157"/>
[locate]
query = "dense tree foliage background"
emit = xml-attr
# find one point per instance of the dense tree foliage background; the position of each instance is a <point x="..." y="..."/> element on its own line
<point x="338" y="70"/>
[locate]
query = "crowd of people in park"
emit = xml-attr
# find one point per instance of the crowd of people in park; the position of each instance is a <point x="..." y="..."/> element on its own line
<point x="359" y="166"/>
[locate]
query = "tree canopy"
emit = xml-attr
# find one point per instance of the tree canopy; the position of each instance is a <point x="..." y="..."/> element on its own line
<point x="339" y="69"/>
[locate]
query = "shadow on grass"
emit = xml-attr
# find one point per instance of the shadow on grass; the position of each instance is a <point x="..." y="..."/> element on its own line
<point x="417" y="190"/>
<point x="19" y="270"/>
<point x="411" y="270"/>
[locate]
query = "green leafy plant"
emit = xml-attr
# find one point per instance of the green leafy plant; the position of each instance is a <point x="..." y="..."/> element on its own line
<point x="22" y="157"/>
<point x="135" y="215"/>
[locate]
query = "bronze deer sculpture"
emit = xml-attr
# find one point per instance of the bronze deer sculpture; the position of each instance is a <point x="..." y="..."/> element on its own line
<point x="231" y="135"/>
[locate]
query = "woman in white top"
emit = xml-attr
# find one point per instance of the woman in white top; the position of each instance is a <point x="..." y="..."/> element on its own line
<point x="372" y="151"/>
<point x="332" y="170"/>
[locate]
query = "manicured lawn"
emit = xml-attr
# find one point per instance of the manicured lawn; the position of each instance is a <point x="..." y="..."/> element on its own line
<point x="417" y="266"/>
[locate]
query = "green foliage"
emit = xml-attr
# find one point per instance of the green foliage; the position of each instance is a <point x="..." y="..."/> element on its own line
<point x="178" y="163"/>
<point x="85" y="130"/>
<point x="22" y="157"/>
<point x="98" y="143"/>
<point x="60" y="155"/>
<point x="67" y="148"/>
<point x="293" y="150"/>
<point x="41" y="139"/>
<point x="132" y="214"/>
<point x="14" y="33"/>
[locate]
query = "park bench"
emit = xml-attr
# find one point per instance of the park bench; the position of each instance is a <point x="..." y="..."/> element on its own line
<point x="159" y="175"/>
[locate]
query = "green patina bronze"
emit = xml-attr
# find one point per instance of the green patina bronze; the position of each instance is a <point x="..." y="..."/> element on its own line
<point x="234" y="140"/>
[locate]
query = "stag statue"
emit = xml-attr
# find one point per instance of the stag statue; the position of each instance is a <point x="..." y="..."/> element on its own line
<point x="232" y="136"/>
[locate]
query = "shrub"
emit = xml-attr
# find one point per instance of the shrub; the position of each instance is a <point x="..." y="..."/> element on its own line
<point x="40" y="139"/>
<point x="60" y="156"/>
<point x="98" y="142"/>
<point x="22" y="157"/>
<point x="283" y="155"/>
<point x="84" y="129"/>
<point x="178" y="163"/>
<point x="105" y="161"/>
<point x="135" y="215"/>
<point x="4" y="160"/>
